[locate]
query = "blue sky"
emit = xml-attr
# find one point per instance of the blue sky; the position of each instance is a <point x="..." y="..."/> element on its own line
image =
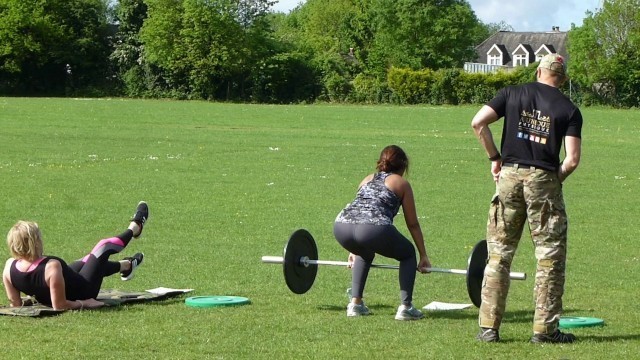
<point x="536" y="15"/>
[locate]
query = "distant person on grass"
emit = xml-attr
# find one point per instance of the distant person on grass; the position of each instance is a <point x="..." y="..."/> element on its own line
<point x="365" y="228"/>
<point x="529" y="175"/>
<point x="54" y="283"/>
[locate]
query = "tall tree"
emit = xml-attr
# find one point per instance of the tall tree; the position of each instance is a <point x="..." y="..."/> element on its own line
<point x="287" y="73"/>
<point x="133" y="71"/>
<point x="46" y="45"/>
<point x="338" y="35"/>
<point x="160" y="33"/>
<point x="418" y="34"/>
<point x="605" y="51"/>
<point x="424" y="33"/>
<point x="205" y="46"/>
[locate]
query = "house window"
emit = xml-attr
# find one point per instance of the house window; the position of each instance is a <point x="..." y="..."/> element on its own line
<point x="520" y="60"/>
<point x="494" y="59"/>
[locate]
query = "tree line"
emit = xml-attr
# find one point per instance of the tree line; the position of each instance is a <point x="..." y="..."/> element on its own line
<point x="323" y="50"/>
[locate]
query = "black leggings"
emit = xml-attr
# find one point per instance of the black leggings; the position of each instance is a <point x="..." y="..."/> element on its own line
<point x="366" y="241"/>
<point x="96" y="265"/>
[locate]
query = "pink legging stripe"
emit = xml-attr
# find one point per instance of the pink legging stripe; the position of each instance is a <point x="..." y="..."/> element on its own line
<point x="99" y="248"/>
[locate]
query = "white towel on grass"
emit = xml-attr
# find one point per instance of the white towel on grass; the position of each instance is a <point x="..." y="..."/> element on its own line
<point x="442" y="306"/>
<point x="164" y="290"/>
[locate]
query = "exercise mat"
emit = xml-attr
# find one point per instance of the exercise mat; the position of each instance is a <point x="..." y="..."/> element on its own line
<point x="111" y="298"/>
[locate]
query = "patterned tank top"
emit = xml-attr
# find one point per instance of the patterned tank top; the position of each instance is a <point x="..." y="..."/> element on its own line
<point x="375" y="204"/>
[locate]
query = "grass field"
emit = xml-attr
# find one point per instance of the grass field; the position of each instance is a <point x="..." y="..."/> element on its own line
<point x="227" y="184"/>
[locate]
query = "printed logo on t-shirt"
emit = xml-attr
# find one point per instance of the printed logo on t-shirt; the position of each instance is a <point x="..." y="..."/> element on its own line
<point x="534" y="126"/>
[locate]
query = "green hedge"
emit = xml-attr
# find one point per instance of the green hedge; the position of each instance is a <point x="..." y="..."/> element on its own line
<point x="450" y="86"/>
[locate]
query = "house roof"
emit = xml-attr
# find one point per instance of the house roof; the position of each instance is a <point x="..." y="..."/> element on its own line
<point x="509" y="41"/>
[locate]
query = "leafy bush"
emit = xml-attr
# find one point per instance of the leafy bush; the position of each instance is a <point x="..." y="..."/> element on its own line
<point x="284" y="78"/>
<point x="337" y="87"/>
<point x="368" y="89"/>
<point x="443" y="88"/>
<point x="451" y="86"/>
<point x="409" y="86"/>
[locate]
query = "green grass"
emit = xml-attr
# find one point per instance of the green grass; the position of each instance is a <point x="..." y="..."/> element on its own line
<point x="227" y="184"/>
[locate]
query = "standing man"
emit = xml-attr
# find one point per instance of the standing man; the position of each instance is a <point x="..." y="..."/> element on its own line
<point x="529" y="176"/>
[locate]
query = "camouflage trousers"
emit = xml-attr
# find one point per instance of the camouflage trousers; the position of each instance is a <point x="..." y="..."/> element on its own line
<point x="533" y="195"/>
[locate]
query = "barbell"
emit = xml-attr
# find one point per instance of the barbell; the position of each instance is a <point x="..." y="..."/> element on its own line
<point x="300" y="265"/>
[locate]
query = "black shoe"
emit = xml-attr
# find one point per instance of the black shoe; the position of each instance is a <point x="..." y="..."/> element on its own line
<point x="140" y="217"/>
<point x="488" y="335"/>
<point x="557" y="337"/>
<point x="135" y="261"/>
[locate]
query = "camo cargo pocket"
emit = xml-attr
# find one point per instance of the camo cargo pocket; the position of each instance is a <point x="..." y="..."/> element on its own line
<point x="495" y="221"/>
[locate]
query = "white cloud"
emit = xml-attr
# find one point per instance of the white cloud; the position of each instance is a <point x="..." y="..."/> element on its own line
<point x="286" y="5"/>
<point x="538" y="15"/>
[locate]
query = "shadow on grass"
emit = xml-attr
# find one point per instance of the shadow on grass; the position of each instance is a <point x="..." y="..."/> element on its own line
<point x="578" y="312"/>
<point x="341" y="308"/>
<point x="452" y="314"/>
<point x="584" y="338"/>
<point x="41" y="311"/>
<point x="609" y="338"/>
<point x="114" y="306"/>
<point x="581" y="338"/>
<point x="519" y="316"/>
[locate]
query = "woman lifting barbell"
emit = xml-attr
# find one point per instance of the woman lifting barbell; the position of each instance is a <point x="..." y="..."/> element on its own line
<point x="365" y="228"/>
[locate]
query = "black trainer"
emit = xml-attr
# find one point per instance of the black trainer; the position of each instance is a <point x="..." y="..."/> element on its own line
<point x="135" y="261"/>
<point x="141" y="216"/>
<point x="488" y="335"/>
<point x="557" y="337"/>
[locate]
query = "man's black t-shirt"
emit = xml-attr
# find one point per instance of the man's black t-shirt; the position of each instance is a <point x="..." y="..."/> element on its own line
<point x="537" y="117"/>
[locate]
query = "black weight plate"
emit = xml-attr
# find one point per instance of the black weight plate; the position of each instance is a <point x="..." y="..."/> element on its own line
<point x="475" y="271"/>
<point x="300" y="278"/>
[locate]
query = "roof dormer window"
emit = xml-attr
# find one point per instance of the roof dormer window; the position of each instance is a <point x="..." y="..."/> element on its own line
<point x="494" y="56"/>
<point x="522" y="55"/>
<point x="544" y="50"/>
<point x="520" y="60"/>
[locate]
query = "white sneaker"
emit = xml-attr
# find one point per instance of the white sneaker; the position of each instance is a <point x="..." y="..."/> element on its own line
<point x="357" y="310"/>
<point x="408" y="313"/>
<point x="135" y="260"/>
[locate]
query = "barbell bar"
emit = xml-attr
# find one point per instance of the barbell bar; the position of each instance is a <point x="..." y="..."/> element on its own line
<point x="305" y="261"/>
<point x="300" y="265"/>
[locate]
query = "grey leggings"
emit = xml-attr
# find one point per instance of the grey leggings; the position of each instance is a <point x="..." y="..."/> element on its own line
<point x="366" y="241"/>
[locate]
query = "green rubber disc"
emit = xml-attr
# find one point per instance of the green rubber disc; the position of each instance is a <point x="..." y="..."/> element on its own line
<point x="567" y="322"/>
<point x="215" y="301"/>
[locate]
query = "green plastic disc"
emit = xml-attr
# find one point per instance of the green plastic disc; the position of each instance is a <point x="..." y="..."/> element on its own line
<point x="567" y="322"/>
<point x="215" y="301"/>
